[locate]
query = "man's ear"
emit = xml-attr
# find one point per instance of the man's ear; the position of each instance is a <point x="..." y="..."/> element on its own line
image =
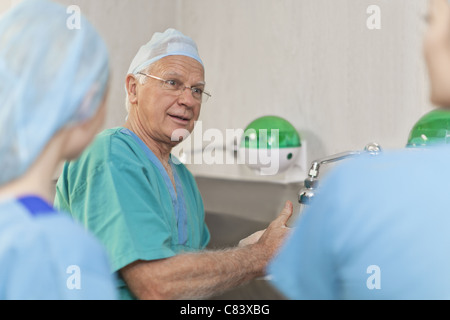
<point x="131" y="84"/>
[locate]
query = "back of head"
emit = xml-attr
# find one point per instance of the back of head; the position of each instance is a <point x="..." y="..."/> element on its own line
<point x="51" y="76"/>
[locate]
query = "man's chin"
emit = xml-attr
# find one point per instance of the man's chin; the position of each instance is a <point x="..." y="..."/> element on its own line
<point x="179" y="135"/>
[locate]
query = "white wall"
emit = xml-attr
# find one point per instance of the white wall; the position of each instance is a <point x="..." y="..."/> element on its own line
<point x="313" y="62"/>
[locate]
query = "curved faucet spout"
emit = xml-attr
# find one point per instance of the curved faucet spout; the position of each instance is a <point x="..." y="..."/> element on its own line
<point x="311" y="182"/>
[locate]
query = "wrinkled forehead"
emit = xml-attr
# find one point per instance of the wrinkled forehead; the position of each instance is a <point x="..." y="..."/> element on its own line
<point x="182" y="67"/>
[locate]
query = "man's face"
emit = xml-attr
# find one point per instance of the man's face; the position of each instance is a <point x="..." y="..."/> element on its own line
<point x="437" y="51"/>
<point x="162" y="111"/>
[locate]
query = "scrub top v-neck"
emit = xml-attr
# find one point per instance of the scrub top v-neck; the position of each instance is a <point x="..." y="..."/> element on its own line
<point x="177" y="195"/>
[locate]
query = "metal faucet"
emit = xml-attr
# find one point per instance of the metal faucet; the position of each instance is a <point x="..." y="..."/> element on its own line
<point x="311" y="182"/>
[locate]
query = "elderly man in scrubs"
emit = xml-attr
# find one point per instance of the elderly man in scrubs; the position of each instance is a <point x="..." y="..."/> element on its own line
<point x="379" y="226"/>
<point x="52" y="90"/>
<point x="142" y="203"/>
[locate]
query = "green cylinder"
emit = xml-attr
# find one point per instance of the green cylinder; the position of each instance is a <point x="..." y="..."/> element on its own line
<point x="270" y="132"/>
<point x="432" y="129"/>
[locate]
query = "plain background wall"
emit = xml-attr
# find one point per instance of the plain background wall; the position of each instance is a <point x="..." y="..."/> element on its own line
<point x="314" y="62"/>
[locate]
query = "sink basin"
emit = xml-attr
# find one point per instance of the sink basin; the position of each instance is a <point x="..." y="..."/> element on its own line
<point x="250" y="200"/>
<point x="236" y="209"/>
<point x="226" y="232"/>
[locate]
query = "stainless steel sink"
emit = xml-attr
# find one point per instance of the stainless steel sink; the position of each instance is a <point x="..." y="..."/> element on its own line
<point x="251" y="200"/>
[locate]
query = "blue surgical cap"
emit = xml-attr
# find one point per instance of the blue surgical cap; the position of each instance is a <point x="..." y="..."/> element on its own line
<point x="52" y="74"/>
<point x="169" y="43"/>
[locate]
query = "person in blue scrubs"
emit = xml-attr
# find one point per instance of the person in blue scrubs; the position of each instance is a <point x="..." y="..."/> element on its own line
<point x="53" y="83"/>
<point x="379" y="226"/>
<point x="143" y="203"/>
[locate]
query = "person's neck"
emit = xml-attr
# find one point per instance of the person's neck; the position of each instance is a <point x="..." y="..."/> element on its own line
<point x="161" y="150"/>
<point x="38" y="180"/>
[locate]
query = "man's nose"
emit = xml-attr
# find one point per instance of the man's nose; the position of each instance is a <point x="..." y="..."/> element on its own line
<point x="187" y="98"/>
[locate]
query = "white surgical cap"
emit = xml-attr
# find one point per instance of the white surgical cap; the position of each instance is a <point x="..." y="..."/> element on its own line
<point x="169" y="43"/>
<point x="52" y="74"/>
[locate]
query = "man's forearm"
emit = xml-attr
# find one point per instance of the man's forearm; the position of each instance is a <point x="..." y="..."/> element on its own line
<point x="195" y="275"/>
<point x="198" y="275"/>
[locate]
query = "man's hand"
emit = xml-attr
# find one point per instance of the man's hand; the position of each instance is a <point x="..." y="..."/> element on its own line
<point x="251" y="239"/>
<point x="272" y="237"/>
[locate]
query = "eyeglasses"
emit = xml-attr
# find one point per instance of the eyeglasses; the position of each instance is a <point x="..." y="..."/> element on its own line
<point x="179" y="87"/>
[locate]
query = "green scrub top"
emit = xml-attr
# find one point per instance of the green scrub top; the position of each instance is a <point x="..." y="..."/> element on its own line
<point x="119" y="190"/>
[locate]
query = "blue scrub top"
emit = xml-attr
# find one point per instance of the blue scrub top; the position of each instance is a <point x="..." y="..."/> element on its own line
<point x="46" y="255"/>
<point x="378" y="228"/>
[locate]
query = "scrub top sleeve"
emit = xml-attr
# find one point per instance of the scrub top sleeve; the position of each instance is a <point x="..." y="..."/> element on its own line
<point x="120" y="205"/>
